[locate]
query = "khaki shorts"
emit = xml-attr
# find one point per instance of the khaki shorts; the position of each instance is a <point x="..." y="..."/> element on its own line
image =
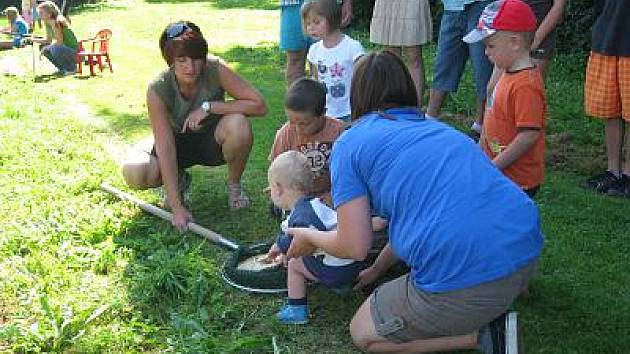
<point x="402" y="313"/>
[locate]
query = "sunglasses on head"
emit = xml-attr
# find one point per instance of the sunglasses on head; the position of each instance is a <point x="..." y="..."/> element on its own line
<point x="177" y="29"/>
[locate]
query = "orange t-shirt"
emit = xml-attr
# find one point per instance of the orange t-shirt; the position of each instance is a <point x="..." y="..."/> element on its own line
<point x="316" y="148"/>
<point x="518" y="102"/>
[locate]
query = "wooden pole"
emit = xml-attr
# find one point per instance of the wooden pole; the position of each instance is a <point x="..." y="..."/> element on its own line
<point x="161" y="213"/>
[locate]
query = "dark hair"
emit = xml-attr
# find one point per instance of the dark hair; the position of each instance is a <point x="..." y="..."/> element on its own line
<point x="328" y="9"/>
<point x="380" y="81"/>
<point x="188" y="43"/>
<point x="306" y="95"/>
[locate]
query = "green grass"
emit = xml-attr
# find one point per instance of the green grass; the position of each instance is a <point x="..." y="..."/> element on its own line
<point x="83" y="272"/>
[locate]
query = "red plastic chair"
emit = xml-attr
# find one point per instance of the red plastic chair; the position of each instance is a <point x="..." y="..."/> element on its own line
<point x="93" y="50"/>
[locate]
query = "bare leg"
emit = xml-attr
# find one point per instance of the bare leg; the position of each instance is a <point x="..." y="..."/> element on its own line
<point x="481" y="107"/>
<point x="142" y="171"/>
<point x="626" y="143"/>
<point x="234" y="134"/>
<point x="613" y="143"/>
<point x="296" y="62"/>
<point x="436" y="100"/>
<point x="296" y="278"/>
<point x="416" y="69"/>
<point x="365" y="337"/>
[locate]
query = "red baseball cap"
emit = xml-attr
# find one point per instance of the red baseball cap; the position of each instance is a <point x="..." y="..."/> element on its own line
<point x="503" y="15"/>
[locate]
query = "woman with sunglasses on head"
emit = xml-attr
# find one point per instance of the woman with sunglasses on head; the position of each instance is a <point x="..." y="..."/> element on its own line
<point x="192" y="122"/>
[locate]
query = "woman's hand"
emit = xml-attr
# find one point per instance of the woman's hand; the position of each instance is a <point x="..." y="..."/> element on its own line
<point x="300" y="246"/>
<point x="181" y="218"/>
<point x="194" y="119"/>
<point x="367" y="276"/>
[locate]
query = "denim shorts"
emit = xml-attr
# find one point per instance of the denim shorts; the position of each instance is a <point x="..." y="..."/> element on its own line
<point x="453" y="52"/>
<point x="292" y="37"/>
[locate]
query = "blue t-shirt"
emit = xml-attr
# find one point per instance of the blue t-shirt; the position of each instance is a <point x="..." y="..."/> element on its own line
<point x="21" y="29"/>
<point x="454" y="218"/>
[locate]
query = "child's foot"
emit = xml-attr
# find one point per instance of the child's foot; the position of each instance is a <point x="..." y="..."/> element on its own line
<point x="621" y="188"/>
<point x="293" y="314"/>
<point x="602" y="182"/>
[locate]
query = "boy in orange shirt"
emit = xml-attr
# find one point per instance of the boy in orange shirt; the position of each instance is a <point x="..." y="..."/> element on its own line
<point x="514" y="127"/>
<point x="309" y="131"/>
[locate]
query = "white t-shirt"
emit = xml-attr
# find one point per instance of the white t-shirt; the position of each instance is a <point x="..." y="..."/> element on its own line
<point x="334" y="69"/>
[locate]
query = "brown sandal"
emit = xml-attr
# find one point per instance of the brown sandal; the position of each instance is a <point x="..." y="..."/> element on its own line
<point x="237" y="199"/>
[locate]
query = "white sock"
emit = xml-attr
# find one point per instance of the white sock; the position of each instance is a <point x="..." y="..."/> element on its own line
<point x="476" y="127"/>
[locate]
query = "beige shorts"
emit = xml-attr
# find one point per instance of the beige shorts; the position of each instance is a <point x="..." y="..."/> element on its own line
<point x="402" y="313"/>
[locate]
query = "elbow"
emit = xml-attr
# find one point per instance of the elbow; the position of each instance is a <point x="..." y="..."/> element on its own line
<point x="359" y="254"/>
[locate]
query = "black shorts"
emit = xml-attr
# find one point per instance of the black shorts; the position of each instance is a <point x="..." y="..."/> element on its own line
<point x="547" y="48"/>
<point x="199" y="148"/>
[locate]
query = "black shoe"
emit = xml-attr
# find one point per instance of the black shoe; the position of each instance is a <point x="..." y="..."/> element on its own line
<point x="501" y="335"/>
<point x="602" y="182"/>
<point x="621" y="188"/>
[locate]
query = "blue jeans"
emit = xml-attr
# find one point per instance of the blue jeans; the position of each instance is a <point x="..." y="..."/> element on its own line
<point x="62" y="57"/>
<point x="453" y="52"/>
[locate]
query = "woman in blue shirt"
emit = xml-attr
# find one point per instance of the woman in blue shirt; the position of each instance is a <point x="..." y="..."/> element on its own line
<point x="469" y="235"/>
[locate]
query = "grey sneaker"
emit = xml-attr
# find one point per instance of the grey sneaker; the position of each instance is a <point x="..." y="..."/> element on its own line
<point x="501" y="336"/>
<point x="183" y="187"/>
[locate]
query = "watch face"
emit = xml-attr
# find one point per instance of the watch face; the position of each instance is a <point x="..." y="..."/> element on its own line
<point x="205" y="106"/>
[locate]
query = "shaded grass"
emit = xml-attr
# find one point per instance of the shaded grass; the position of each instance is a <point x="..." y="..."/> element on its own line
<point x="68" y="250"/>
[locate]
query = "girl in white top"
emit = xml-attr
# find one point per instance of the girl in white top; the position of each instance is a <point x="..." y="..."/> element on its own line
<point x="332" y="58"/>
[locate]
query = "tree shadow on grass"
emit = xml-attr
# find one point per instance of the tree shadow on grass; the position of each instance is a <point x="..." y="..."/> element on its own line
<point x="123" y="124"/>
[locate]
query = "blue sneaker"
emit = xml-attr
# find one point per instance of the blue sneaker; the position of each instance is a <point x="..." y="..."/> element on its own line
<point x="293" y="314"/>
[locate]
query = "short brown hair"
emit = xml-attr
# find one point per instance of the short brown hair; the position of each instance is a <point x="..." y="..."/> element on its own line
<point x="306" y="95"/>
<point x="328" y="9"/>
<point x="192" y="44"/>
<point x="292" y="170"/>
<point x="380" y="81"/>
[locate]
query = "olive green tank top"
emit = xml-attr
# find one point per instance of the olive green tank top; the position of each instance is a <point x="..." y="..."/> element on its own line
<point x="165" y="85"/>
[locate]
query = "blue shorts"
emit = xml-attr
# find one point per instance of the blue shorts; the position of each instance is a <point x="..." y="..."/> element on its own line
<point x="292" y="38"/>
<point x="334" y="277"/>
<point x="453" y="52"/>
<point x="17" y="42"/>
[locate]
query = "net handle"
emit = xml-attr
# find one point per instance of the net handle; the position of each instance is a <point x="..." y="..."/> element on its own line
<point x="161" y="213"/>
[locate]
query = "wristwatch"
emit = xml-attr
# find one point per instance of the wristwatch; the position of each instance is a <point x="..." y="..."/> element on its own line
<point x="206" y="106"/>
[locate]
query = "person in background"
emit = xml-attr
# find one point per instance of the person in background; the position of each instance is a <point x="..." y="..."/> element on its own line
<point x="514" y="130"/>
<point x="403" y="27"/>
<point x="607" y="93"/>
<point x="294" y="42"/>
<point x="459" y="18"/>
<point x="332" y="58"/>
<point x="18" y="28"/>
<point x="61" y="44"/>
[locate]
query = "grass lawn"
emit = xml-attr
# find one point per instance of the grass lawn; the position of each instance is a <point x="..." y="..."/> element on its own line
<point x="83" y="272"/>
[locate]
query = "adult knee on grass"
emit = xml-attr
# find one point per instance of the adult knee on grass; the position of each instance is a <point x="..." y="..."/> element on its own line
<point x="138" y="175"/>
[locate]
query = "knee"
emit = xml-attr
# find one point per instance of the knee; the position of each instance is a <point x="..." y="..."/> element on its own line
<point x="137" y="176"/>
<point x="237" y="128"/>
<point x="359" y="338"/>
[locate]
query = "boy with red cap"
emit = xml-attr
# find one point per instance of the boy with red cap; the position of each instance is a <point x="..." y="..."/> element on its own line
<point x="514" y="127"/>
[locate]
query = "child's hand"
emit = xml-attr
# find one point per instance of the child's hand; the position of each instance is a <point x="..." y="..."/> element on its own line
<point x="272" y="254"/>
<point x="367" y="276"/>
